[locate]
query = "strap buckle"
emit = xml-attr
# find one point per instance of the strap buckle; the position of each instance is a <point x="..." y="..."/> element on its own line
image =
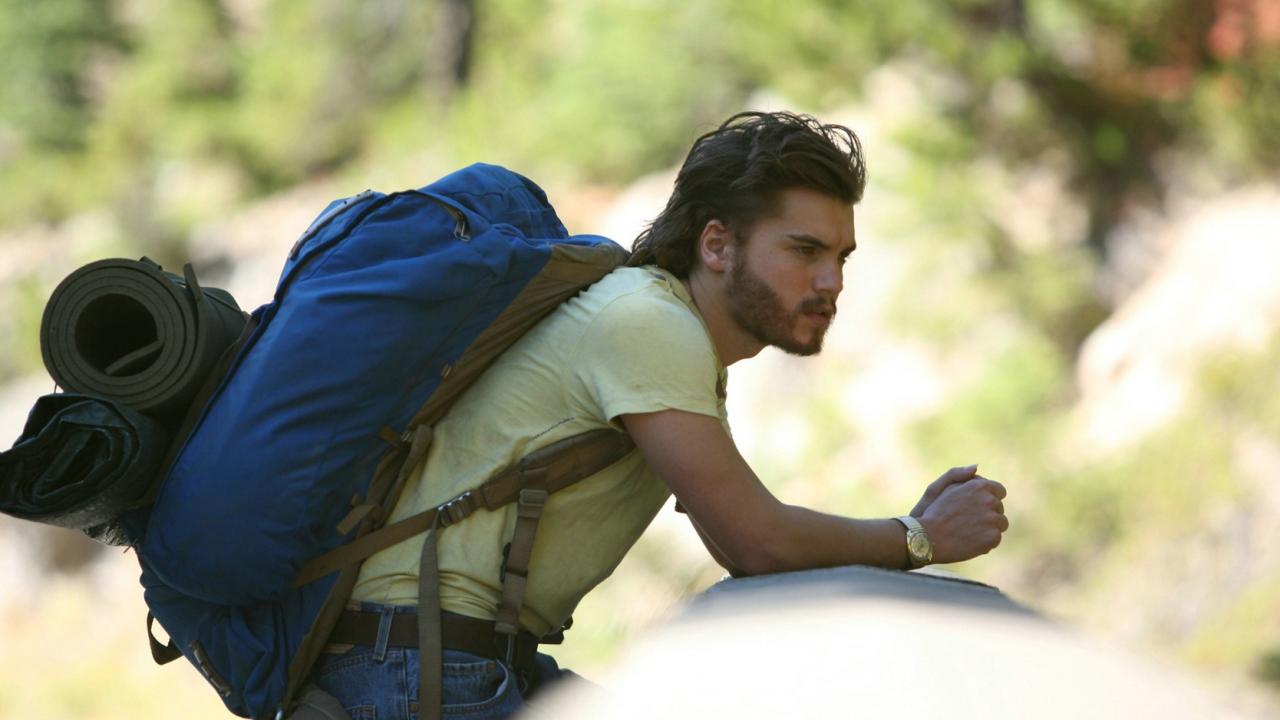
<point x="531" y="502"/>
<point x="457" y="509"/>
<point x="520" y="664"/>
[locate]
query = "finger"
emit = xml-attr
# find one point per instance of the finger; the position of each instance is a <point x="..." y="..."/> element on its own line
<point x="956" y="475"/>
<point x="996" y="488"/>
<point x="1002" y="522"/>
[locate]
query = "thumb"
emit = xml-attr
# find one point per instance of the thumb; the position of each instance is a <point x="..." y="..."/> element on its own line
<point x="958" y="475"/>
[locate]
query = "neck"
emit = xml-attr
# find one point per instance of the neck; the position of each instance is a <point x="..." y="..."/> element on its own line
<point x="731" y="342"/>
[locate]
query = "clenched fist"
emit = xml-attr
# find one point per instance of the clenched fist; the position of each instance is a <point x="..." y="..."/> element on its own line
<point x="963" y="513"/>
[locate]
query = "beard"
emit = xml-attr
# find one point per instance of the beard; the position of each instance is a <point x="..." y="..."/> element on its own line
<point x="758" y="310"/>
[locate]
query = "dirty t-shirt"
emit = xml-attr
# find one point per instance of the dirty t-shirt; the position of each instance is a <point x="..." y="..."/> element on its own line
<point x="632" y="343"/>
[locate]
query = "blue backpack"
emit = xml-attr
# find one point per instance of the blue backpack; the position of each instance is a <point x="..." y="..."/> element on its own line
<point x="388" y="307"/>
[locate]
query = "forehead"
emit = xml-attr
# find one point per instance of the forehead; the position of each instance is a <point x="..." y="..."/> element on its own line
<point x="801" y="211"/>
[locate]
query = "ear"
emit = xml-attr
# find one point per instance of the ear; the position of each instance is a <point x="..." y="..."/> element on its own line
<point x="715" y="246"/>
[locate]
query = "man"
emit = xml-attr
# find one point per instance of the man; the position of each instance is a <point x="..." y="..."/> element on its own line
<point x="749" y="252"/>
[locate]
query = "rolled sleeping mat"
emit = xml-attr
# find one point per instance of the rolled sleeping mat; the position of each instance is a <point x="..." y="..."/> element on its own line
<point x="127" y="331"/>
<point x="85" y="463"/>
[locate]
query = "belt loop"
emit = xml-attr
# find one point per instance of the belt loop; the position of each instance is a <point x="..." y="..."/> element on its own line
<point x="387" y="612"/>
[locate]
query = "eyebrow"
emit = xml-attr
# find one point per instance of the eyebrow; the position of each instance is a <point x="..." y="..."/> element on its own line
<point x="813" y="240"/>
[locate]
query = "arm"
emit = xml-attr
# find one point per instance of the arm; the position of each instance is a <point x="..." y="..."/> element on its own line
<point x="754" y="533"/>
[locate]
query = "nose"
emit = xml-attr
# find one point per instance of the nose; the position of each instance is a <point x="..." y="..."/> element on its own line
<point x="829" y="281"/>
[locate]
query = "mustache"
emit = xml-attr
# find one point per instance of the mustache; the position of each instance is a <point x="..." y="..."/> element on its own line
<point x="818" y="305"/>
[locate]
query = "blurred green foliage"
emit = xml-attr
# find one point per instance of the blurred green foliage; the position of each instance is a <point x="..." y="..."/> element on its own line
<point x="98" y="94"/>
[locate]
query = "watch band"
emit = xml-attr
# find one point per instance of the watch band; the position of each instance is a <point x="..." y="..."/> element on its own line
<point x="919" y="544"/>
<point x="911" y="523"/>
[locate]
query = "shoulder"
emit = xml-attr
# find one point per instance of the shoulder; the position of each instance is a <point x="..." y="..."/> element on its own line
<point x="642" y="301"/>
<point x="644" y="348"/>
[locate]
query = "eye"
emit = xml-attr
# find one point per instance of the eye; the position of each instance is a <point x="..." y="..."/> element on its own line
<point x="807" y="250"/>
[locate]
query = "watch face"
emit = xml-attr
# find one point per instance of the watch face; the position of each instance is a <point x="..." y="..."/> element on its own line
<point x="919" y="546"/>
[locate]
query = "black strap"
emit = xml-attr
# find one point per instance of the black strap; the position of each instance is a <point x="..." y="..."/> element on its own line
<point x="196" y="409"/>
<point x="457" y="632"/>
<point x="162" y="654"/>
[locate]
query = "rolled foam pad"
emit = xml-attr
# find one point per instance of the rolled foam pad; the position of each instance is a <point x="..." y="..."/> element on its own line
<point x="129" y="332"/>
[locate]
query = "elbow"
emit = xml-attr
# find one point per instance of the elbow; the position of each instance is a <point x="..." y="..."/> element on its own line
<point x="760" y="559"/>
<point x="761" y="553"/>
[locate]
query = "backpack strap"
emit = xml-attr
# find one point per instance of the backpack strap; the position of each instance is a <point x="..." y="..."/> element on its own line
<point x="529" y="482"/>
<point x="563" y="463"/>
<point x="393" y="468"/>
<point x="430" y="641"/>
<point x="515" y="569"/>
<point x="552" y="468"/>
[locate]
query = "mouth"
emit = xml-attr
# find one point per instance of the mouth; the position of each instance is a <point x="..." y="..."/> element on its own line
<point x="822" y="316"/>
<point x="815" y="306"/>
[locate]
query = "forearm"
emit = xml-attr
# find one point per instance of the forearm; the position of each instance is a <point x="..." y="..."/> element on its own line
<point x="743" y="524"/>
<point x="799" y="539"/>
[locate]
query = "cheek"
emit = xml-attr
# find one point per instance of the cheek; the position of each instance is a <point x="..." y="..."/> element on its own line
<point x="797" y="283"/>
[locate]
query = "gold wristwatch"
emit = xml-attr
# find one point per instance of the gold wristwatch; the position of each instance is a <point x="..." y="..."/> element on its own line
<point x="919" y="546"/>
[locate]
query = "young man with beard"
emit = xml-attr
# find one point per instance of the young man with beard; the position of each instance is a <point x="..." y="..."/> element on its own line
<point x="748" y="252"/>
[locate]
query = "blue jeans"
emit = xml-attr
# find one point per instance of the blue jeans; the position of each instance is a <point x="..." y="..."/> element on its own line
<point x="381" y="683"/>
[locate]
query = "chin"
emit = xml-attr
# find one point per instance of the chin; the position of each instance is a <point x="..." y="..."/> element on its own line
<point x="806" y="349"/>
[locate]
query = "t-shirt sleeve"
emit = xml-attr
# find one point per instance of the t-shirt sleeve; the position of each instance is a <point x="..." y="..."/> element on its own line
<point x="645" y="353"/>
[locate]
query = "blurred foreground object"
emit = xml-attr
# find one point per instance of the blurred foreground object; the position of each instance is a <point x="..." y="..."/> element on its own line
<point x="857" y="641"/>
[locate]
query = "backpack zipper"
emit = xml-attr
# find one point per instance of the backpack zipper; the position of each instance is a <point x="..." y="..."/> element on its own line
<point x="318" y="224"/>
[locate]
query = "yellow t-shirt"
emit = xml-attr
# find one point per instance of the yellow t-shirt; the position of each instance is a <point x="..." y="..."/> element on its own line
<point x="632" y="343"/>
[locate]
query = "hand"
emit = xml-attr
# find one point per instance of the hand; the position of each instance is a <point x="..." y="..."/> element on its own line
<point x="966" y="519"/>
<point x="948" y="478"/>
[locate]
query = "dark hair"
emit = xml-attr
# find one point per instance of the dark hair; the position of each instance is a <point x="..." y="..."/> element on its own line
<point x="735" y="174"/>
